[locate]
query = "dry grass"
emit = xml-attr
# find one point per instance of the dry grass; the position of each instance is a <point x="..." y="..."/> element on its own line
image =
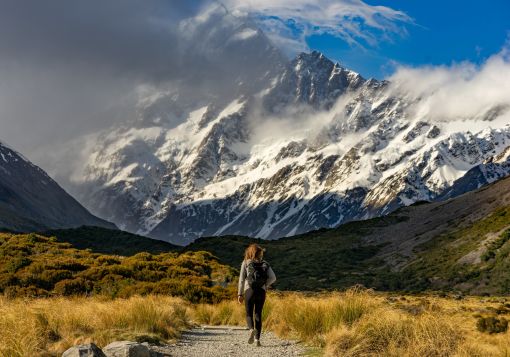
<point x="354" y="323"/>
<point x="224" y="313"/>
<point x="309" y="319"/>
<point x="50" y="326"/>
<point x="363" y="323"/>
<point x="388" y="333"/>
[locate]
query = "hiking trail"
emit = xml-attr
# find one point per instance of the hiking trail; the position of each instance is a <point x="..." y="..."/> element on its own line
<point x="215" y="341"/>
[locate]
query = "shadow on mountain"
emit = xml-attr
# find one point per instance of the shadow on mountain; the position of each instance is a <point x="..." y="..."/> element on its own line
<point x="271" y="220"/>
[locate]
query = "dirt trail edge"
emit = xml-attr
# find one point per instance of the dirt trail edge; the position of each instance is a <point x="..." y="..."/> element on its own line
<point x="214" y="341"/>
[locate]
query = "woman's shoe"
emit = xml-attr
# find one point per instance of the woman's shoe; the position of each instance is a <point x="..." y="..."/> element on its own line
<point x="257" y="343"/>
<point x="252" y="336"/>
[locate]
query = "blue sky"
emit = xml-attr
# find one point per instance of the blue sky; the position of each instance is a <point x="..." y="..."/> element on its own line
<point x="444" y="32"/>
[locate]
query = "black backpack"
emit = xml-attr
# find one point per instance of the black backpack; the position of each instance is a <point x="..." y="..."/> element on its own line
<point x="256" y="274"/>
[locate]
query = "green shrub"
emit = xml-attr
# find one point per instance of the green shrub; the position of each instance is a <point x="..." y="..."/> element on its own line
<point x="7" y="279"/>
<point x="107" y="260"/>
<point x="34" y="265"/>
<point x="494" y="246"/>
<point x="76" y="286"/>
<point x="17" y="263"/>
<point x="492" y="324"/>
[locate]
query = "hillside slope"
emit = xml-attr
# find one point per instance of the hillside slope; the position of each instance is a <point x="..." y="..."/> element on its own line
<point x="459" y="244"/>
<point x="30" y="200"/>
<point x="110" y="241"/>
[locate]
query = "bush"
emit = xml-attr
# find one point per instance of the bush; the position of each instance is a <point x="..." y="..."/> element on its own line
<point x="492" y="324"/>
<point x="78" y="286"/>
<point x="17" y="263"/>
<point x="107" y="260"/>
<point x="32" y="264"/>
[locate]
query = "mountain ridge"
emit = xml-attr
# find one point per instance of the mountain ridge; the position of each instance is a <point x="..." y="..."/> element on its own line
<point x="31" y="200"/>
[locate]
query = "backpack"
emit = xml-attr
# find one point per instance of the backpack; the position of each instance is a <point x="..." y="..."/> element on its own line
<point x="256" y="274"/>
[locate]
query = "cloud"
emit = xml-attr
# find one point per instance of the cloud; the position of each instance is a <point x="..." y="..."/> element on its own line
<point x="461" y="91"/>
<point x="70" y="68"/>
<point x="118" y="37"/>
<point x="289" y="22"/>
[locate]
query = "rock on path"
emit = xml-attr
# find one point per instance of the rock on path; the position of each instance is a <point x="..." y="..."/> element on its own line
<point x="215" y="341"/>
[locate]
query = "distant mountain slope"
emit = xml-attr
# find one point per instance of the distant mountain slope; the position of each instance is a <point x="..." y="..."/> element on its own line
<point x="459" y="244"/>
<point x="31" y="201"/>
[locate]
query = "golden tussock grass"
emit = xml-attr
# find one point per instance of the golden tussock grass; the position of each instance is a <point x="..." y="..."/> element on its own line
<point x="50" y="326"/>
<point x="360" y="323"/>
<point x="353" y="323"/>
<point x="389" y="333"/>
<point x="223" y="313"/>
<point x="309" y="319"/>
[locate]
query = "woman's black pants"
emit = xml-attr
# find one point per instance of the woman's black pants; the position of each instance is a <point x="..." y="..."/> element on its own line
<point x="254" y="302"/>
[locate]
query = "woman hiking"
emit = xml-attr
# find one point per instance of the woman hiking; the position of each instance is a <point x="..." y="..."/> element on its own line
<point x="255" y="277"/>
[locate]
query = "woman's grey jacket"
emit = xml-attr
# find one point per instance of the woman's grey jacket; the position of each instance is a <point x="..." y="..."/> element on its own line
<point x="243" y="283"/>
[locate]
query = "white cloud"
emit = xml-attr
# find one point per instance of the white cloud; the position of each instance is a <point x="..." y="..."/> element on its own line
<point x="289" y="22"/>
<point x="458" y="92"/>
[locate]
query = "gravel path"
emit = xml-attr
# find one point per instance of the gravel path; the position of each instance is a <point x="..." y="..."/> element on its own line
<point x="215" y="341"/>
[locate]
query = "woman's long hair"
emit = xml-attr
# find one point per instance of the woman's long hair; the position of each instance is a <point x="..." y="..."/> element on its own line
<point x="253" y="252"/>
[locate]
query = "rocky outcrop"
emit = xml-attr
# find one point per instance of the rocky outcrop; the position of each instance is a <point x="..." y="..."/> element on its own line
<point x="114" y="349"/>
<point x="86" y="350"/>
<point x="126" y="349"/>
<point x="312" y="79"/>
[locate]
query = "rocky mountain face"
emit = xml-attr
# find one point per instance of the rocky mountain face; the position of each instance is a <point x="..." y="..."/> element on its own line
<point x="310" y="79"/>
<point x="30" y="200"/>
<point x="311" y="144"/>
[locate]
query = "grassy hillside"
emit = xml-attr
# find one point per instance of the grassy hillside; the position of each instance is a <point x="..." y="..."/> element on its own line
<point x="325" y="259"/>
<point x="460" y="244"/>
<point x="109" y="241"/>
<point x="36" y="265"/>
<point x="475" y="258"/>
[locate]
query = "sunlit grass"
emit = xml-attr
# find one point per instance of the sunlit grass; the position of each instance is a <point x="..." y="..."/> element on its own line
<point x="357" y="322"/>
<point x="50" y="326"/>
<point x="364" y="323"/>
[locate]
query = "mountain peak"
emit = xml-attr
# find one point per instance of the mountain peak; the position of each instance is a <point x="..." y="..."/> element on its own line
<point x="311" y="78"/>
<point x="364" y="156"/>
<point x="313" y="57"/>
<point x="317" y="61"/>
<point x="317" y="54"/>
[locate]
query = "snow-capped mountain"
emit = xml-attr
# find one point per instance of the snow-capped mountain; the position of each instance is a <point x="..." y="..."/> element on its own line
<point x="30" y="200"/>
<point x="319" y="146"/>
<point x="268" y="147"/>
<point x="310" y="79"/>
